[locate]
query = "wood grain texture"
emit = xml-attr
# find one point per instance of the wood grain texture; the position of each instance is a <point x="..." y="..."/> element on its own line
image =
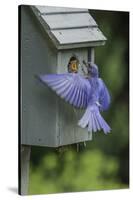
<point x="46" y="120"/>
<point x="66" y="21"/>
<point x="54" y="10"/>
<point x="69" y="29"/>
<point x="72" y="36"/>
<point x="38" y="109"/>
<point x="25" y="163"/>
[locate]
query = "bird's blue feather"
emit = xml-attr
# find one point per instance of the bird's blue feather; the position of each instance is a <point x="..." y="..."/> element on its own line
<point x="104" y="96"/>
<point x="81" y="92"/>
<point x="73" y="87"/>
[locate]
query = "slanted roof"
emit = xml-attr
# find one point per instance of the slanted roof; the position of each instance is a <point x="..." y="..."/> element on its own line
<point x="69" y="27"/>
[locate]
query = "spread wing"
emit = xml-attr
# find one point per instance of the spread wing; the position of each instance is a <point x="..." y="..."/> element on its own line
<point x="72" y="87"/>
<point x="104" y="96"/>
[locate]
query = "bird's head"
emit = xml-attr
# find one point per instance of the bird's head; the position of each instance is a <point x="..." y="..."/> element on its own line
<point x="92" y="69"/>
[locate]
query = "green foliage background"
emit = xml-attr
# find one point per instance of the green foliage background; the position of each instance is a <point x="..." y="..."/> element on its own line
<point x="103" y="164"/>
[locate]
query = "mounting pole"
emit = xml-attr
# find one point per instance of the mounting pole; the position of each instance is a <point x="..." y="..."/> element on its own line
<point x="24" y="169"/>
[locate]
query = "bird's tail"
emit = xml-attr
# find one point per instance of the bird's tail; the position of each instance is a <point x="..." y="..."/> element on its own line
<point x="93" y="120"/>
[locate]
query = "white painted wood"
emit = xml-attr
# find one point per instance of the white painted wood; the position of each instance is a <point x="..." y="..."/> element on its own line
<point x="25" y="164"/>
<point x="71" y="36"/>
<point x="63" y="21"/>
<point x="51" y="9"/>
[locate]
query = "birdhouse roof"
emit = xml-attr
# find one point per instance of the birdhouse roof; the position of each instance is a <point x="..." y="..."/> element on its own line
<point x="69" y="27"/>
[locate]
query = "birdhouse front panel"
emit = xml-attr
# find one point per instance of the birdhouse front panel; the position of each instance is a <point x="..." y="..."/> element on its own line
<point x="69" y="131"/>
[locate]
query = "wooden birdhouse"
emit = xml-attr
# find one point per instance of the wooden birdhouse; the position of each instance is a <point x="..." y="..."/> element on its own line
<point x="53" y="40"/>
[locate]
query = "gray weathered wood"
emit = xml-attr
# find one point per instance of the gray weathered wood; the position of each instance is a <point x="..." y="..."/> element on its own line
<point x="71" y="36"/>
<point x="81" y="45"/>
<point x="71" y="29"/>
<point x="46" y="119"/>
<point x="71" y="20"/>
<point x="25" y="164"/>
<point x="38" y="109"/>
<point x="53" y="10"/>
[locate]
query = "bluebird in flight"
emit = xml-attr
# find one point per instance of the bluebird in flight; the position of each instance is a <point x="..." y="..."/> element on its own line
<point x="86" y="91"/>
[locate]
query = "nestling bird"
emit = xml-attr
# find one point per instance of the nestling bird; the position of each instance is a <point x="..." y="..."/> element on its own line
<point x="83" y="91"/>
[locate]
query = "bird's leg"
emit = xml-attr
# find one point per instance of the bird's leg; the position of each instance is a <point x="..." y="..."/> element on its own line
<point x="85" y="63"/>
<point x="84" y="72"/>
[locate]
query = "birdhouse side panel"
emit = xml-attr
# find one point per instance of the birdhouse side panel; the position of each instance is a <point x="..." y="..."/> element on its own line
<point x="69" y="131"/>
<point x="38" y="102"/>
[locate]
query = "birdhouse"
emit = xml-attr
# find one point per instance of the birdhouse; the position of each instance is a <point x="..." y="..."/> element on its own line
<point x="53" y="40"/>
